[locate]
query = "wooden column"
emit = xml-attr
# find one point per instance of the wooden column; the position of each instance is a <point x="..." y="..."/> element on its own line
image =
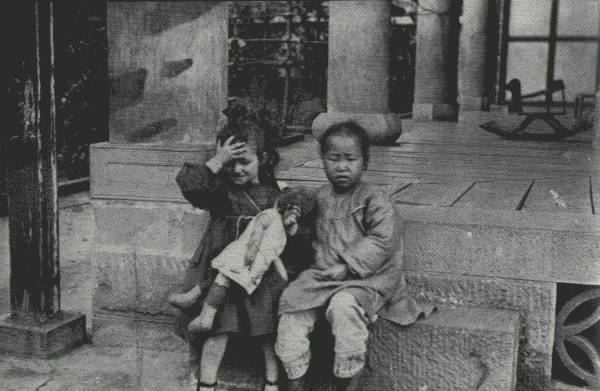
<point x="436" y="62"/>
<point x="358" y="69"/>
<point x="35" y="315"/>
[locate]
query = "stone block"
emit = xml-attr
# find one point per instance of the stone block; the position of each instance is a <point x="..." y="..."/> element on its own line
<point x="502" y="244"/>
<point x="128" y="279"/>
<point x="157" y="275"/>
<point x="158" y="226"/>
<point x="453" y="349"/>
<point x="166" y="84"/>
<point x="28" y="338"/>
<point x="534" y="301"/>
<point x="115" y="284"/>
<point x="141" y="172"/>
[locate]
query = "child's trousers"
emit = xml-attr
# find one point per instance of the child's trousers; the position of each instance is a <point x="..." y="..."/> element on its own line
<point x="348" y="324"/>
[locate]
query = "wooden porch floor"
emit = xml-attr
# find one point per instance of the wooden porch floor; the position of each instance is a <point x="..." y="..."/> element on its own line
<point x="450" y="164"/>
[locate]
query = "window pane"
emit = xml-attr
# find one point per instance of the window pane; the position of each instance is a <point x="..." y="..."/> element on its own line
<point x="578" y="17"/>
<point x="576" y="64"/>
<point x="527" y="61"/>
<point x="529" y="17"/>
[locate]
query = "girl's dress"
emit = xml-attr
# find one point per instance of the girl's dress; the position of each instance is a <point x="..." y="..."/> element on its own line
<point x="231" y="208"/>
<point x="354" y="228"/>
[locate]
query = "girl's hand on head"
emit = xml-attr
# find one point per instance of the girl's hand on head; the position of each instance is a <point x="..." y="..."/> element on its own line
<point x="227" y="151"/>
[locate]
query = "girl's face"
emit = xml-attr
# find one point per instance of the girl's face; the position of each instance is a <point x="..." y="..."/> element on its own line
<point x="343" y="162"/>
<point x="243" y="169"/>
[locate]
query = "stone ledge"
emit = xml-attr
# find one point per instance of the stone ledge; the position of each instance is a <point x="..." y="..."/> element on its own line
<point x="535" y="302"/>
<point x="455" y="348"/>
<point x="501" y="243"/>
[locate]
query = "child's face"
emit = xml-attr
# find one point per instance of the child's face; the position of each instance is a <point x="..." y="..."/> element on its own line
<point x="343" y="162"/>
<point x="290" y="216"/>
<point x="243" y="169"/>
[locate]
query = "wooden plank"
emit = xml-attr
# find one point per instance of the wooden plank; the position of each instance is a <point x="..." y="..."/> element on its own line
<point x="382" y="177"/>
<point x="494" y="195"/>
<point x="460" y="167"/>
<point x="434" y="194"/>
<point x="557" y="195"/>
<point x="388" y="189"/>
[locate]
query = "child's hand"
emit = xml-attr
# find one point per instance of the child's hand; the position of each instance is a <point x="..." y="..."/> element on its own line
<point x="334" y="273"/>
<point x="227" y="151"/>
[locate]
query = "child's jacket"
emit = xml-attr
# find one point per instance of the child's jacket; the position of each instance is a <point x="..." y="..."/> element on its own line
<point x="358" y="229"/>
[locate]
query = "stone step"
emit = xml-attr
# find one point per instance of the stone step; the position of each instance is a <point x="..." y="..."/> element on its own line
<point x="455" y="348"/>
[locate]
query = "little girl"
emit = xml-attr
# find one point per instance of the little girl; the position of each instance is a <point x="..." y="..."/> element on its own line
<point x="354" y="277"/>
<point x="234" y="185"/>
<point x="245" y="260"/>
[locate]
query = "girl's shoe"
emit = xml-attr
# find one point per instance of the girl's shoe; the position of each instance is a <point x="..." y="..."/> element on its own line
<point x="206" y="387"/>
<point x="271" y="385"/>
<point x="185" y="300"/>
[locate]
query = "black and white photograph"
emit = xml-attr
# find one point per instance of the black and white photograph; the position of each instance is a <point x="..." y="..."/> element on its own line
<point x="289" y="195"/>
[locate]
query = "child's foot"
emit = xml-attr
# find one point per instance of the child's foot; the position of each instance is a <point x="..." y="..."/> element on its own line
<point x="185" y="300"/>
<point x="204" y="321"/>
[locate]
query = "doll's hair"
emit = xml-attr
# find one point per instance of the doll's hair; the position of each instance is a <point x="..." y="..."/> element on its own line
<point x="300" y="196"/>
<point x="243" y="129"/>
<point x="348" y="128"/>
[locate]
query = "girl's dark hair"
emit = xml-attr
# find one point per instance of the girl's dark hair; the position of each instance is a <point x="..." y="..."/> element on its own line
<point x="244" y="130"/>
<point x="348" y="128"/>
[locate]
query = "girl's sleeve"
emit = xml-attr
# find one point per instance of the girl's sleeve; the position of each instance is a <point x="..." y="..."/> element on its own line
<point x="368" y="254"/>
<point x="199" y="185"/>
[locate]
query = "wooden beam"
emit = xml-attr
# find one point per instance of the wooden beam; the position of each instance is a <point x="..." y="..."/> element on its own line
<point x="32" y="184"/>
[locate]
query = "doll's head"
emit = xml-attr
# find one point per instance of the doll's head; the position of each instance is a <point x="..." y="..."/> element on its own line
<point x="345" y="154"/>
<point x="295" y="204"/>
<point x="258" y="163"/>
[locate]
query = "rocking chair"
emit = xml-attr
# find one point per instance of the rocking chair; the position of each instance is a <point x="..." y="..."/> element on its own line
<point x="548" y="115"/>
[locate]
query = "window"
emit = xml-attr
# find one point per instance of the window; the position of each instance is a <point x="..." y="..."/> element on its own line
<point x="552" y="39"/>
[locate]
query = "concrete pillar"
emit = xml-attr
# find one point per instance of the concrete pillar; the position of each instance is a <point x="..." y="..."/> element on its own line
<point x="168" y="72"/>
<point x="435" y="70"/>
<point x="472" y="89"/>
<point x="358" y="70"/>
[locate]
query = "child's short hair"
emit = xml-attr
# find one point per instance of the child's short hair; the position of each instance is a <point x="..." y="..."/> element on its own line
<point x="348" y="128"/>
<point x="300" y="196"/>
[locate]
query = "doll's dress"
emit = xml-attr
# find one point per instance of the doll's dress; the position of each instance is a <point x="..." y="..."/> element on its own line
<point x="230" y="262"/>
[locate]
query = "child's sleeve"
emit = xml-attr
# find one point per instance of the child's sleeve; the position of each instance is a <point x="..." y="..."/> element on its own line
<point x="367" y="255"/>
<point x="199" y="185"/>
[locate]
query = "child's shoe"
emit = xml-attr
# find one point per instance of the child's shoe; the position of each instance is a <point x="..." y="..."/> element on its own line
<point x="204" y="321"/>
<point x="185" y="300"/>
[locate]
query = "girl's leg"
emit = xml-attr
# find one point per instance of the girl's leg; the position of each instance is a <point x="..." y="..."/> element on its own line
<point x="213" y="301"/>
<point x="212" y="355"/>
<point x="271" y="369"/>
